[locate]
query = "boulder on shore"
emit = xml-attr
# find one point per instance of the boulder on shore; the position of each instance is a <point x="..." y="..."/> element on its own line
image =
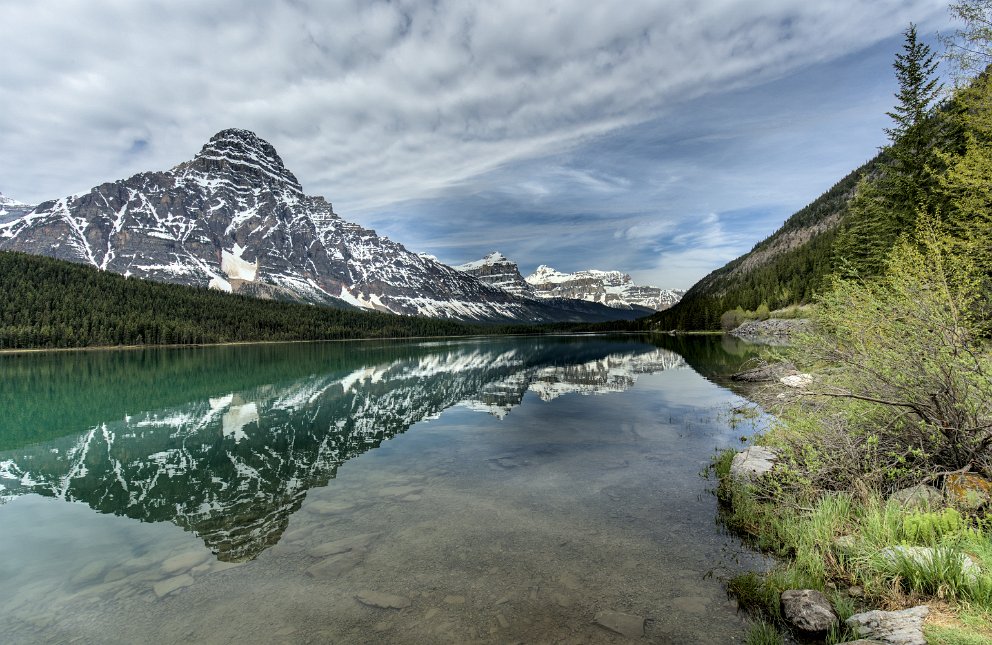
<point x="808" y="610"/>
<point x="968" y="490"/>
<point x="752" y="463"/>
<point x="917" y="497"/>
<point x="893" y="627"/>
<point x="924" y="556"/>
<point x="765" y="373"/>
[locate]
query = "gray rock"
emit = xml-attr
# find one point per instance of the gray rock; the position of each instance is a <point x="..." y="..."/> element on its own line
<point x="334" y="566"/>
<point x="768" y="331"/>
<point x="354" y="543"/>
<point x="765" y="373"/>
<point x="185" y="561"/>
<point x="919" y="496"/>
<point x="923" y="556"/>
<point x="808" y="610"/>
<point x="845" y="544"/>
<point x="169" y="585"/>
<point x="382" y="600"/>
<point x="751" y="463"/>
<point x="892" y="627"/>
<point x="624" y="624"/>
<point x="90" y="573"/>
<point x="798" y="381"/>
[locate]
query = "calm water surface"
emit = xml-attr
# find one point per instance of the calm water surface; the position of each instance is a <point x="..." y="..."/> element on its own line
<point x="495" y="491"/>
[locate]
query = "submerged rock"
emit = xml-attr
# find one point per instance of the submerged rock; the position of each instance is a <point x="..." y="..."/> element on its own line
<point x="332" y="567"/>
<point x="382" y="600"/>
<point x="185" y="561"/>
<point x="808" y="610"/>
<point x="354" y="543"/>
<point x="90" y="573"/>
<point x="751" y="463"/>
<point x="167" y="586"/>
<point x="624" y="624"/>
<point x="892" y="627"/>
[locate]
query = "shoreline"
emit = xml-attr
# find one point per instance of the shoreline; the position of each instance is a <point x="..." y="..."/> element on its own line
<point x="364" y="339"/>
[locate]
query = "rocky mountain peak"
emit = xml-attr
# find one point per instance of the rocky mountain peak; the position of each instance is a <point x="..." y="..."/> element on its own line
<point x="234" y="218"/>
<point x="243" y="155"/>
<point x="496" y="270"/>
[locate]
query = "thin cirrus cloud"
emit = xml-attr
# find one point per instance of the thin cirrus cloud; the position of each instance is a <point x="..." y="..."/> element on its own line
<point x="604" y="134"/>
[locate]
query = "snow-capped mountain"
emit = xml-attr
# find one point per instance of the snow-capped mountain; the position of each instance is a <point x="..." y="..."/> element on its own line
<point x="11" y="208"/>
<point x="233" y="466"/>
<point x="235" y="218"/>
<point x="496" y="270"/>
<point x="611" y="288"/>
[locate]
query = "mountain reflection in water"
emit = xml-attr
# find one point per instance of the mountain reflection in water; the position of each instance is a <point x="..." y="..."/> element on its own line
<point x="226" y="442"/>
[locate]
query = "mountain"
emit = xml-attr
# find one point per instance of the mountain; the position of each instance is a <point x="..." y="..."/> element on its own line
<point x="12" y="209"/>
<point x="234" y="218"/>
<point x="611" y="288"/>
<point x="787" y="267"/>
<point x="497" y="271"/>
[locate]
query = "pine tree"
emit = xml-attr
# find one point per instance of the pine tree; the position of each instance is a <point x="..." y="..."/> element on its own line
<point x="909" y="173"/>
<point x="887" y="204"/>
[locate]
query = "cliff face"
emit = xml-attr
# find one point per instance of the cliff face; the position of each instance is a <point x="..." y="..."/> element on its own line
<point x="497" y="271"/>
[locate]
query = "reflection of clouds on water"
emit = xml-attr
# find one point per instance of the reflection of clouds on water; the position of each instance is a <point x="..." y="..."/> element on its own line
<point x="234" y="467"/>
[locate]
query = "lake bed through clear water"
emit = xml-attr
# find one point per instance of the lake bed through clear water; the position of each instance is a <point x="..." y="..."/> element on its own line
<point x="471" y="490"/>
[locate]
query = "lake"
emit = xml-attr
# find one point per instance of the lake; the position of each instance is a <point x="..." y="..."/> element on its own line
<point x="503" y="490"/>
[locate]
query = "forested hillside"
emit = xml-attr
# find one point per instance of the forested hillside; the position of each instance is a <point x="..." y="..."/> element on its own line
<point x="53" y="303"/>
<point x="786" y="268"/>
<point x="851" y="229"/>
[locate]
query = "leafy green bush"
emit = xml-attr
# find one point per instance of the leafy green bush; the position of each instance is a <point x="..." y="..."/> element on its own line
<point x="927" y="527"/>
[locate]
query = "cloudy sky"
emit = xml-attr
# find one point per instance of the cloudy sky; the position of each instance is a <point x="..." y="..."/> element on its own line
<point x="660" y="137"/>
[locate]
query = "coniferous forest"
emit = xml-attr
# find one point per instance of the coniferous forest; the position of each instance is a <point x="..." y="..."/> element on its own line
<point x="50" y="303"/>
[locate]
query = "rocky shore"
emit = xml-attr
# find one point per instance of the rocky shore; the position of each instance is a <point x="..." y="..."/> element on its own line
<point x="774" y="331"/>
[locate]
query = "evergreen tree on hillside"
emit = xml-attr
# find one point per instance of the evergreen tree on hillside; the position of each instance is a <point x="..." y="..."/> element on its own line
<point x="886" y="205"/>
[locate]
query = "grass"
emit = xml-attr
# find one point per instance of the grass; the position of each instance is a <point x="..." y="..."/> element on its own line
<point x="962" y="627"/>
<point x="838" y="540"/>
<point x="762" y="633"/>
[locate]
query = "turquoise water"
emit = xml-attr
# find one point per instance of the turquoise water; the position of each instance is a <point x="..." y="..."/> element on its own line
<point x="493" y="490"/>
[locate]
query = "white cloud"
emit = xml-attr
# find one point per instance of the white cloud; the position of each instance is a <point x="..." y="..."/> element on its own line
<point x="382" y="105"/>
<point x="377" y="102"/>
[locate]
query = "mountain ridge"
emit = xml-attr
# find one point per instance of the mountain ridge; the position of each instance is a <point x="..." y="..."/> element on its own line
<point x="236" y="219"/>
<point x="787" y="267"/>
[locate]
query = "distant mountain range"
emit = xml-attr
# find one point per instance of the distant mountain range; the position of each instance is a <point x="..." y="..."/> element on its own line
<point x="12" y="209"/>
<point x="611" y="288"/>
<point x="235" y="218"/>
